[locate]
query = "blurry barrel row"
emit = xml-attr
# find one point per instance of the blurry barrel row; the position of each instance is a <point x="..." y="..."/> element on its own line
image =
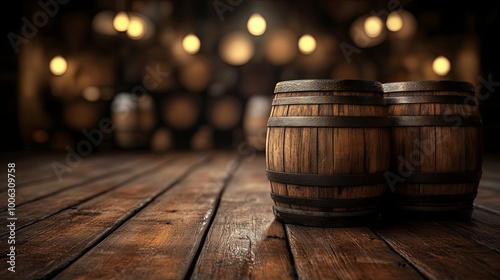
<point x="185" y="120"/>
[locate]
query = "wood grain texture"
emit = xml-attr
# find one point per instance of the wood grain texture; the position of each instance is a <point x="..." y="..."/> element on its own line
<point x="275" y="152"/>
<point x="32" y="192"/>
<point x="40" y="209"/>
<point x="484" y="228"/>
<point x="488" y="199"/>
<point x="328" y="151"/>
<point x="438" y="252"/>
<point x="184" y="219"/>
<point x="51" y="244"/>
<point x="245" y="242"/>
<point x="345" y="253"/>
<point x="435" y="149"/>
<point x="161" y="241"/>
<point x="42" y="170"/>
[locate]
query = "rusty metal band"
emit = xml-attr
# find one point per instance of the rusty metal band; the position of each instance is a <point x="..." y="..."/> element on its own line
<point x="442" y="198"/>
<point x="322" y="214"/>
<point x="457" y="86"/>
<point x="339" y="180"/>
<point x="325" y="219"/>
<point x="442" y="120"/>
<point x="350" y="100"/>
<point x="444" y="178"/>
<point x="337" y="121"/>
<point x="328" y="85"/>
<point x="327" y="202"/>
<point x="442" y="99"/>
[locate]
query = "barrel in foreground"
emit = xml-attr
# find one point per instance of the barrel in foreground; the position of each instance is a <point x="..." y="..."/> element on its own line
<point x="327" y="151"/>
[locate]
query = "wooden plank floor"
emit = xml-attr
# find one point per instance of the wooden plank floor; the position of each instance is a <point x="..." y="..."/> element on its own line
<point x="209" y="216"/>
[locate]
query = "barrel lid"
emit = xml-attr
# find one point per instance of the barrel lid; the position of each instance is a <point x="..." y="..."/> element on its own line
<point x="328" y="85"/>
<point x="431" y="85"/>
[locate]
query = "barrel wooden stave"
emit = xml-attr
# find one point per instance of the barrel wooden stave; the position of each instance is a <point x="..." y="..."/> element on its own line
<point x="334" y="151"/>
<point x="444" y="149"/>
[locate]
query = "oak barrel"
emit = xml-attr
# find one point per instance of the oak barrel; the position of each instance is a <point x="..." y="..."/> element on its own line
<point x="437" y="147"/>
<point x="255" y="119"/>
<point x="327" y="149"/>
<point x="134" y="119"/>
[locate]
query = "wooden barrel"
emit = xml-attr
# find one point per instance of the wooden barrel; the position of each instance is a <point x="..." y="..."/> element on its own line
<point x="256" y="114"/>
<point x="327" y="150"/>
<point x="134" y="119"/>
<point x="437" y="148"/>
<point x="181" y="111"/>
<point x="224" y="113"/>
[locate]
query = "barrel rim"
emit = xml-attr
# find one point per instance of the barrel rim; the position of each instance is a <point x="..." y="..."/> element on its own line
<point x="305" y="85"/>
<point x="429" y="85"/>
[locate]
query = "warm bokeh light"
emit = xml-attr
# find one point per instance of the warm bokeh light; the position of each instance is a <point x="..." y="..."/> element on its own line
<point x="394" y="22"/>
<point x="361" y="27"/>
<point x="58" y="65"/>
<point x="102" y="23"/>
<point x="441" y="65"/>
<point x="91" y="94"/>
<point x="324" y="55"/>
<point x="197" y="74"/>
<point x="236" y="48"/>
<point x="121" y="22"/>
<point x="373" y="26"/>
<point x="307" y="44"/>
<point x="191" y="44"/>
<point x="281" y="46"/>
<point x="136" y="28"/>
<point x="256" y="25"/>
<point x="408" y="25"/>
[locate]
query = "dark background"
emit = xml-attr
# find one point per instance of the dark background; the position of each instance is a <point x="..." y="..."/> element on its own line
<point x="442" y="28"/>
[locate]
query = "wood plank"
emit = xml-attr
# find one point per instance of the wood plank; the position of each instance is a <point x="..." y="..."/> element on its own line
<point x="39" y="168"/>
<point x="245" y="241"/>
<point x="161" y="241"/>
<point x="42" y="170"/>
<point x="440" y="253"/>
<point x="488" y="199"/>
<point x="484" y="228"/>
<point x="35" y="211"/>
<point x="48" y="246"/>
<point x="345" y="253"/>
<point x="32" y="168"/>
<point x="33" y="192"/>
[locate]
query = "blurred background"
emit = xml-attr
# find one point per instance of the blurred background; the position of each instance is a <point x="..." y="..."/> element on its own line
<point x="176" y="75"/>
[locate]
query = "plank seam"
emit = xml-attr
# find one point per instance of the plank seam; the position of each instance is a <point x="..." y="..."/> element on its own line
<point x="204" y="236"/>
<point x="128" y="216"/>
<point x="412" y="265"/>
<point x="115" y="172"/>
<point x="117" y="185"/>
<point x="289" y="248"/>
<point x="486" y="209"/>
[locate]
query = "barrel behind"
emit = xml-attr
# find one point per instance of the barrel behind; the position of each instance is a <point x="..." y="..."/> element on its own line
<point x="437" y="148"/>
<point x="326" y="151"/>
<point x="134" y="119"/>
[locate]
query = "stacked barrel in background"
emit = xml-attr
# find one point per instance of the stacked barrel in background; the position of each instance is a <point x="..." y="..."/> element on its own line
<point x="327" y="150"/>
<point x="437" y="147"/>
